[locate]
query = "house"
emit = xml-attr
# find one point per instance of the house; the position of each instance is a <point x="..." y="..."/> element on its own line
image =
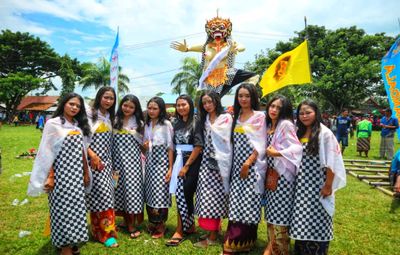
<point x="37" y="103"/>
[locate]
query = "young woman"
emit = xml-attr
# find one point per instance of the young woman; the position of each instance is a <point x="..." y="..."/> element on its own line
<point x="213" y="185"/>
<point x="158" y="136"/>
<point x="127" y="143"/>
<point x="248" y="171"/>
<point x="101" y="197"/>
<point x="188" y="147"/>
<point x="61" y="170"/>
<point x="321" y="173"/>
<point x="283" y="157"/>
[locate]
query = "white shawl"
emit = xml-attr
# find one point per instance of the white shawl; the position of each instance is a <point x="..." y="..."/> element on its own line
<point x="53" y="136"/>
<point x="159" y="135"/>
<point x="221" y="140"/>
<point x="330" y="156"/>
<point x="130" y="128"/>
<point x="255" y="129"/>
<point x="285" y="141"/>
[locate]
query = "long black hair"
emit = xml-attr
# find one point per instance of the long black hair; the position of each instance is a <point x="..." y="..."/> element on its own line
<point x="97" y="102"/>
<point x="313" y="142"/>
<point x="217" y="102"/>
<point x="254" y="100"/>
<point x="81" y="117"/>
<point x="162" y="116"/>
<point x="285" y="113"/>
<point x="137" y="113"/>
<point x="189" y="100"/>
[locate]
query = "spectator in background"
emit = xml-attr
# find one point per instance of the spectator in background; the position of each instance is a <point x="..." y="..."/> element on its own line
<point x="325" y="120"/>
<point x="343" y="124"/>
<point x="389" y="125"/>
<point x="395" y="172"/>
<point x="16" y="120"/>
<point x="364" y="131"/>
<point x="41" y="122"/>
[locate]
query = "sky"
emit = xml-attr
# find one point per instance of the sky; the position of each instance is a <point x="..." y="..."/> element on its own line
<point x="86" y="29"/>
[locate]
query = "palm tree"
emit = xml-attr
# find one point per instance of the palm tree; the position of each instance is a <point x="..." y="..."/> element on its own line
<point x="187" y="79"/>
<point x="98" y="75"/>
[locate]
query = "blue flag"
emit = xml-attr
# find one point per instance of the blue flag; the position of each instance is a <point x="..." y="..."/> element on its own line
<point x="114" y="65"/>
<point x="391" y="79"/>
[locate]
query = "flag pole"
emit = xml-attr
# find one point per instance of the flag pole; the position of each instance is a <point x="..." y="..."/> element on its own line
<point x="308" y="48"/>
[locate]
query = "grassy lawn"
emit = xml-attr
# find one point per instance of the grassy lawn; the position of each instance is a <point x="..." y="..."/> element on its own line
<point x="366" y="221"/>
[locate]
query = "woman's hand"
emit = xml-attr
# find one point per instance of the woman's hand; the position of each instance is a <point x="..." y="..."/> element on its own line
<point x="168" y="176"/>
<point x="146" y="145"/>
<point x="397" y="185"/>
<point x="271" y="151"/>
<point x="49" y="184"/>
<point x="244" y="172"/>
<point x="183" y="171"/>
<point x="326" y="190"/>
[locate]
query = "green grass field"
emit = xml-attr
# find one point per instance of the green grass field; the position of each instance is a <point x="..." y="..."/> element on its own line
<point x="366" y="221"/>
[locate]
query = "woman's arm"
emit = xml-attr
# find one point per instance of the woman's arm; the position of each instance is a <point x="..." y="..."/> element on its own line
<point x="170" y="164"/>
<point x="327" y="188"/>
<point x="193" y="156"/>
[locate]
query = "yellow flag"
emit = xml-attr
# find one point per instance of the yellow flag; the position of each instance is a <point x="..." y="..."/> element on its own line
<point x="292" y="67"/>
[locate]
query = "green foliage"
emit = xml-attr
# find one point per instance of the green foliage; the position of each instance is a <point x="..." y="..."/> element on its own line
<point x="188" y="78"/>
<point x="28" y="59"/>
<point x="14" y="87"/>
<point x="345" y="65"/>
<point x="365" y="222"/>
<point x="98" y="75"/>
<point x="69" y="74"/>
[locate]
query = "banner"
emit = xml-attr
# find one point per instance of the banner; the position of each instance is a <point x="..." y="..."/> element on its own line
<point x="292" y="67"/>
<point x="114" y="66"/>
<point x="391" y="79"/>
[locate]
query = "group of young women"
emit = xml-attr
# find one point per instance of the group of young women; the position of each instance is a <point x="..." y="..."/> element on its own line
<point x="218" y="166"/>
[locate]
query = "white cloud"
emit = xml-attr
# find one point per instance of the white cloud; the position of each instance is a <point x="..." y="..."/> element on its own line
<point x="255" y="24"/>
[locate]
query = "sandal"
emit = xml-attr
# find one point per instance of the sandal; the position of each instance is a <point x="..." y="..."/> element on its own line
<point x="158" y="234"/>
<point x="205" y="243"/>
<point x="175" y="241"/>
<point x="135" y="233"/>
<point x="111" y="243"/>
<point x="75" y="250"/>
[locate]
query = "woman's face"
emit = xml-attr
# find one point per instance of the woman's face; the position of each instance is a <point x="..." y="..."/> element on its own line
<point x="244" y="98"/>
<point x="183" y="107"/>
<point x="72" y="107"/>
<point x="153" y="110"/>
<point x="274" y="109"/>
<point x="128" y="108"/>
<point x="107" y="100"/>
<point x="307" y="115"/>
<point x="208" y="104"/>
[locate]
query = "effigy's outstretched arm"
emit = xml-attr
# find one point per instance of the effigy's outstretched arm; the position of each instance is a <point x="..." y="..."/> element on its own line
<point x="183" y="47"/>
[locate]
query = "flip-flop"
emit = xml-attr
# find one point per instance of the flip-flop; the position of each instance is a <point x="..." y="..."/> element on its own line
<point x="135" y="234"/>
<point x="156" y="234"/>
<point x="111" y="243"/>
<point x="175" y="241"/>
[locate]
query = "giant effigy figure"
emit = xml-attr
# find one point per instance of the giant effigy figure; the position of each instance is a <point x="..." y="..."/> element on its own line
<point x="218" y="57"/>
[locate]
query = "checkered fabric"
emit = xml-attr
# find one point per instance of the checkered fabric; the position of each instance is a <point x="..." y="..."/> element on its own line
<point x="309" y="220"/>
<point x="156" y="189"/>
<point x="211" y="200"/>
<point x="129" y="194"/>
<point x="279" y="204"/>
<point x="67" y="200"/>
<point x="101" y="196"/>
<point x="187" y="220"/>
<point x="244" y="202"/>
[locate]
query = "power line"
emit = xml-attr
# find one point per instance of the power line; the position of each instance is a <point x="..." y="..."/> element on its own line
<point x="152" y="74"/>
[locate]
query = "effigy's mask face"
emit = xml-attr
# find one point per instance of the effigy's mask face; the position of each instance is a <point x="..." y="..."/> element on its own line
<point x="218" y="28"/>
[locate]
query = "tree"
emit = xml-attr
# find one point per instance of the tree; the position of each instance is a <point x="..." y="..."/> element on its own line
<point x="14" y="87"/>
<point x="98" y="75"/>
<point x="69" y="73"/>
<point x="187" y="79"/>
<point x="345" y="64"/>
<point x="26" y="64"/>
